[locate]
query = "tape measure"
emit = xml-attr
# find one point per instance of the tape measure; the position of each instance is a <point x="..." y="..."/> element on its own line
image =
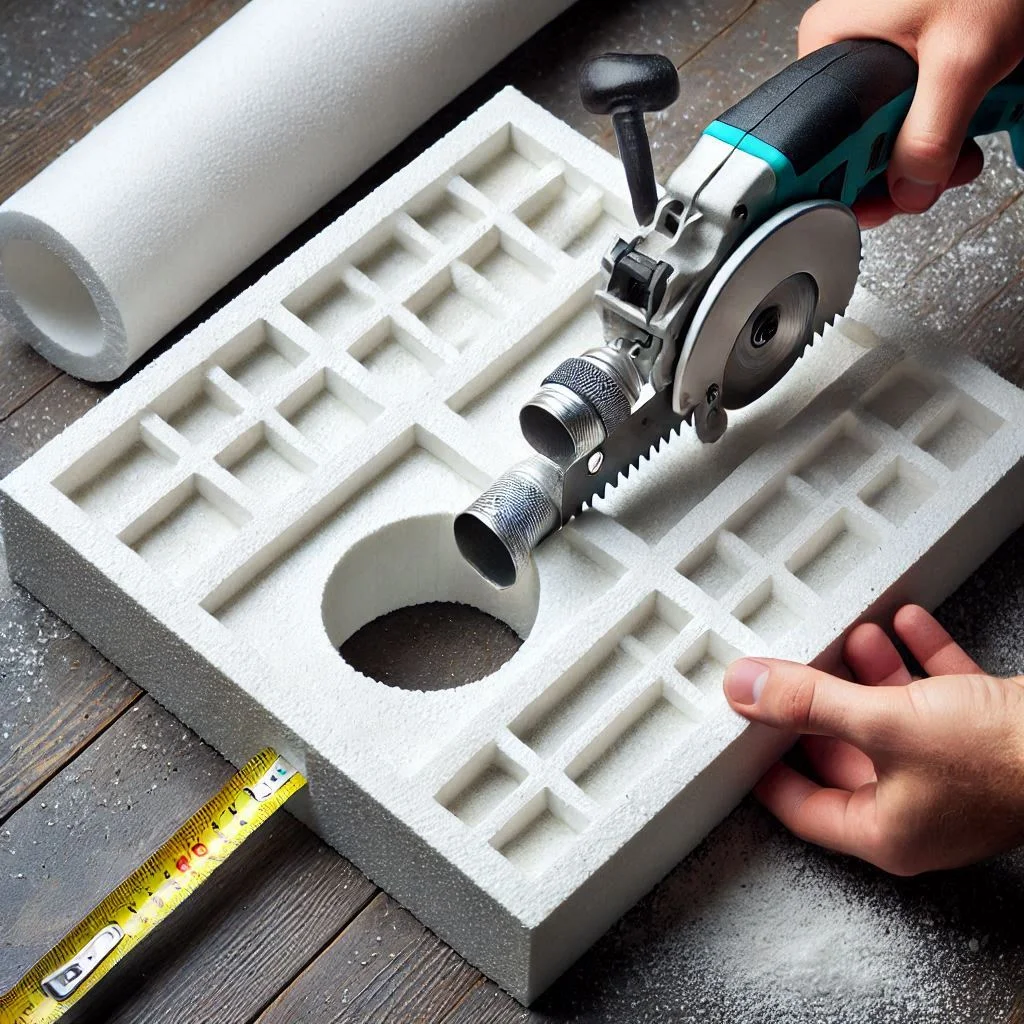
<point x="92" y="948"/>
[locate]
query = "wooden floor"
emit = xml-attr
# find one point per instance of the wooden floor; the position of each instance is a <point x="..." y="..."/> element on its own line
<point x="94" y="774"/>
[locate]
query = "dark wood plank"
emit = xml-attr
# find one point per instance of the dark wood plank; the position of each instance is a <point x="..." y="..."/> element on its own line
<point x="23" y="373"/>
<point x="488" y="1004"/>
<point x="233" y="945"/>
<point x="93" y="824"/>
<point x="384" y="967"/>
<point x="56" y="694"/>
<point x="44" y="41"/>
<point x="44" y="416"/>
<point x="228" y="951"/>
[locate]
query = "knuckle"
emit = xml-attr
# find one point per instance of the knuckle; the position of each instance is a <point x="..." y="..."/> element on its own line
<point x="930" y="147"/>
<point x="966" y="54"/>
<point x="797" y="703"/>
<point x="808" y="704"/>
<point x="817" y="26"/>
<point x="894" y="855"/>
<point x="811" y="19"/>
<point x="959" y="43"/>
<point x="919" y="704"/>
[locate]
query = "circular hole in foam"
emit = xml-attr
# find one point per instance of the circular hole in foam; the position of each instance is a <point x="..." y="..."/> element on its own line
<point x="404" y="608"/>
<point x="52" y="296"/>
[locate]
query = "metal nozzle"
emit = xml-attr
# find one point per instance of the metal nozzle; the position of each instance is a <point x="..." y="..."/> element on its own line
<point x="580" y="403"/>
<point x="569" y="418"/>
<point x="498" y="532"/>
<point x="559" y="424"/>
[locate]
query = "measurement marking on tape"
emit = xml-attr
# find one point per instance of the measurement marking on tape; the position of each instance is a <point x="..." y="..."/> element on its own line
<point x="123" y="919"/>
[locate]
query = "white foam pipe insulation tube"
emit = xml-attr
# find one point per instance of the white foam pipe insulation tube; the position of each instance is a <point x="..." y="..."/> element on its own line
<point x="222" y="155"/>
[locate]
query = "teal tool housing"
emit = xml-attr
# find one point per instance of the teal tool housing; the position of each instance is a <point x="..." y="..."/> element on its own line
<point x="826" y="124"/>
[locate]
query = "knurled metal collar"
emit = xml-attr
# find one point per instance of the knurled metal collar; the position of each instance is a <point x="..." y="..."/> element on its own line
<point x="595" y="386"/>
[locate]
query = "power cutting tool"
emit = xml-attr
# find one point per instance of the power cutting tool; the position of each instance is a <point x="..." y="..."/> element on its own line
<point x="749" y="253"/>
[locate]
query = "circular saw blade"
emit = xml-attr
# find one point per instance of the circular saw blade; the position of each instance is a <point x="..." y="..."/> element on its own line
<point x="779" y="287"/>
<point x="773" y="338"/>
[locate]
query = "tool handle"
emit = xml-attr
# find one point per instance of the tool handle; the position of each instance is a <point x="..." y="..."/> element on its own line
<point x="827" y="123"/>
<point x="626" y="85"/>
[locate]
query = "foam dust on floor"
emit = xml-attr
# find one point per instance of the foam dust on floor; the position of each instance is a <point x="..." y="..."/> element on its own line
<point x="759" y="928"/>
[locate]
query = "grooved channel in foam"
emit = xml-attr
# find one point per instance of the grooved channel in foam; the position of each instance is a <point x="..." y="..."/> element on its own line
<point x="633" y="745"/>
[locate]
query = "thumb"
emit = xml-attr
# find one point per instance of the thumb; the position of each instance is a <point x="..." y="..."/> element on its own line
<point x="795" y="698"/>
<point x="950" y="87"/>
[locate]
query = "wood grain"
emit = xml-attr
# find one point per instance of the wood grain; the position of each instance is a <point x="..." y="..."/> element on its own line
<point x="488" y="1004"/>
<point x="93" y="823"/>
<point x="56" y="695"/>
<point x="233" y="945"/>
<point x="43" y="417"/>
<point x="23" y="373"/>
<point x="385" y="967"/>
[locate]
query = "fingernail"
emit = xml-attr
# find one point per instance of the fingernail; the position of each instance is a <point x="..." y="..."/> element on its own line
<point x="744" y="680"/>
<point x="913" y="195"/>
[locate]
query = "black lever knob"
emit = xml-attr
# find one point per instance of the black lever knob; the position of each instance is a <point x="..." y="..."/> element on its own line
<point x="626" y="85"/>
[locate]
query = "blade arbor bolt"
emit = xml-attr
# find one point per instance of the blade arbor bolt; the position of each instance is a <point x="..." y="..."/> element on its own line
<point x="766" y="326"/>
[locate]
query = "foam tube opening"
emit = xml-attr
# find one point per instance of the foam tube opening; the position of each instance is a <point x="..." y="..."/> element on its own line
<point x="52" y="296"/>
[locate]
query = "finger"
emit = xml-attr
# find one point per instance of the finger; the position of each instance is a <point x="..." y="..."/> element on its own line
<point x="874" y="210"/>
<point x="817" y="28"/>
<point x="936" y="651"/>
<point x="952" y="81"/>
<point x="793" y="697"/>
<point x="835" y="818"/>
<point x="970" y="163"/>
<point x="832" y="21"/>
<point x="838" y="764"/>
<point x="874" y="658"/>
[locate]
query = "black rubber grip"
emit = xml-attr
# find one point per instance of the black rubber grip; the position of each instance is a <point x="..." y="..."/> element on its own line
<point x="812" y="106"/>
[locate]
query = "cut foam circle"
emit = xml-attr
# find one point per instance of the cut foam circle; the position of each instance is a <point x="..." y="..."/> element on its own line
<point x="414" y="561"/>
<point x="160" y="205"/>
<point x="220" y="523"/>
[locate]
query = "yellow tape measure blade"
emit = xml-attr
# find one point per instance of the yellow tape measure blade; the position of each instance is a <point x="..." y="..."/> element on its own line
<point x="151" y="893"/>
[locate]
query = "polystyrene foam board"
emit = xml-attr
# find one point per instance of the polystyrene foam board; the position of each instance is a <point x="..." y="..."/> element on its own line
<point x="221" y="523"/>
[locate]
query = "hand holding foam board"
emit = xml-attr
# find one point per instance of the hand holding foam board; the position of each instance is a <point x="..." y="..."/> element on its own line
<point x="220" y="157"/>
<point x="291" y="470"/>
